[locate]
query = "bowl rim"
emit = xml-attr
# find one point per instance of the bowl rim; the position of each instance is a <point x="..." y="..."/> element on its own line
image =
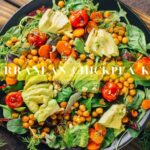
<point x="127" y="138"/>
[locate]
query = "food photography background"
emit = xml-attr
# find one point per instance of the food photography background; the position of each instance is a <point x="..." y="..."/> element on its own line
<point x="140" y="7"/>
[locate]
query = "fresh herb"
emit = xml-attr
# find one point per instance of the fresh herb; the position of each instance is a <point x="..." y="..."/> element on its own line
<point x="15" y="126"/>
<point x="64" y="95"/>
<point x="32" y="142"/>
<point x="7" y="112"/>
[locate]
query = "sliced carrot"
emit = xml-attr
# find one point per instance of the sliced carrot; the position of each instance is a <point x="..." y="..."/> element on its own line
<point x="134" y="113"/>
<point x="79" y="32"/>
<point x="97" y="126"/>
<point x="146" y="104"/>
<point x="10" y="81"/>
<point x="96" y="16"/>
<point x="93" y="146"/>
<point x="64" y="48"/>
<point x="45" y="50"/>
<point x="91" y="25"/>
<point x="125" y="119"/>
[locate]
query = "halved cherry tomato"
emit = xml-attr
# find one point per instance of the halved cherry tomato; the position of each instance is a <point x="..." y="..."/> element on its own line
<point x="37" y="38"/>
<point x="54" y="57"/>
<point x="96" y="16"/>
<point x="79" y="18"/>
<point x="141" y="65"/>
<point x="91" y="25"/>
<point x="14" y="99"/>
<point x="110" y="91"/>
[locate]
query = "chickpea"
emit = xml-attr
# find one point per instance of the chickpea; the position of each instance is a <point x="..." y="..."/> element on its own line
<point x="79" y="32"/>
<point x="31" y="116"/>
<point x="21" y="62"/>
<point x="116" y="30"/>
<point x="61" y="4"/>
<point x="107" y="14"/>
<point x="78" y="120"/>
<point x="75" y="118"/>
<point x="117" y="81"/>
<point x="15" y="115"/>
<point x="25" y="125"/>
<point x="54" y="122"/>
<point x="66" y="117"/>
<point x="65" y="38"/>
<point x="121" y="79"/>
<point x="116" y="41"/>
<point x="120" y="85"/>
<point x="43" y="134"/>
<point x="127" y="75"/>
<point x="63" y="104"/>
<point x="130" y="80"/>
<point x="86" y="113"/>
<point x="35" y="58"/>
<point x="114" y="35"/>
<point x="34" y="52"/>
<point x="82" y="57"/>
<point x="113" y="76"/>
<point x="46" y="129"/>
<point x="25" y="119"/>
<point x="23" y="57"/>
<point x="31" y="63"/>
<point x="90" y="62"/>
<point x="89" y="118"/>
<point x="82" y="107"/>
<point x="126" y="84"/>
<point x="82" y="119"/>
<point x="110" y="30"/>
<point x="106" y="78"/>
<point x="121" y="32"/>
<point x="94" y="114"/>
<point x="76" y="105"/>
<point x="79" y="112"/>
<point x="53" y="117"/>
<point x="120" y="38"/>
<point x="124" y="90"/>
<point x="41" y="123"/>
<point x="120" y="63"/>
<point x="132" y="92"/>
<point x="14" y="39"/>
<point x="99" y="110"/>
<point x="16" y="61"/>
<point x="131" y="86"/>
<point x="125" y="40"/>
<point x="9" y="43"/>
<point x="31" y="122"/>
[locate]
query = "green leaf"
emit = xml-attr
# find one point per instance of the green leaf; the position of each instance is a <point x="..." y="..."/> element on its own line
<point x="79" y="45"/>
<point x="96" y="103"/>
<point x="137" y="100"/>
<point x="15" y="126"/>
<point x="64" y="94"/>
<point x="134" y="133"/>
<point x="137" y="39"/>
<point x="141" y="81"/>
<point x="7" y="112"/>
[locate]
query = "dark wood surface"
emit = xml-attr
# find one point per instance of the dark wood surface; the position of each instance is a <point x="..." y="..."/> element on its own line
<point x="9" y="7"/>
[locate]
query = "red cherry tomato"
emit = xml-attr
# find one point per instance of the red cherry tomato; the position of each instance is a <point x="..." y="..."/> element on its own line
<point x="142" y="64"/>
<point x="110" y="91"/>
<point x="37" y="38"/>
<point x="79" y="18"/>
<point x="14" y="100"/>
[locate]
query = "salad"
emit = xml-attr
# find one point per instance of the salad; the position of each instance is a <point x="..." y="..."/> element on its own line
<point x="74" y="77"/>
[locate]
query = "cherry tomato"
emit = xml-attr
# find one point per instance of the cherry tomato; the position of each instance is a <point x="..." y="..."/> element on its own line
<point x="141" y="65"/>
<point x="37" y="38"/>
<point x="91" y="25"/>
<point x="14" y="99"/>
<point x="96" y="16"/>
<point x="54" y="57"/>
<point x="79" y="18"/>
<point x="110" y="91"/>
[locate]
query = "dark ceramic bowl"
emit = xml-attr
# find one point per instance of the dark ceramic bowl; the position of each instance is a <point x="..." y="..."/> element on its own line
<point x="105" y="5"/>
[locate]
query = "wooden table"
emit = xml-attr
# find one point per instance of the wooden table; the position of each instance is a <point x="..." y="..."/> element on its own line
<point x="9" y="7"/>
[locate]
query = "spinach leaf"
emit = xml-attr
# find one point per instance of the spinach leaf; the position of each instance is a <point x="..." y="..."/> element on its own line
<point x="7" y="112"/>
<point x="64" y="94"/>
<point x="141" y="81"/>
<point x="137" y="100"/>
<point x="137" y="39"/>
<point x="15" y="126"/>
<point x="79" y="45"/>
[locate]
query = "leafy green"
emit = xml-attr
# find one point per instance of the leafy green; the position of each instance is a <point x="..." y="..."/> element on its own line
<point x="7" y="112"/>
<point x="15" y="126"/>
<point x="54" y="141"/>
<point x="134" y="133"/>
<point x="141" y="81"/>
<point x="79" y="45"/>
<point x="136" y="38"/>
<point x="64" y="94"/>
<point x="96" y="103"/>
<point x="137" y="100"/>
<point x="76" y="136"/>
<point x="32" y="143"/>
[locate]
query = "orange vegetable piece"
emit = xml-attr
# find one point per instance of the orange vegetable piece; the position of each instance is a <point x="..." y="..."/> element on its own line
<point x="146" y="104"/>
<point x="93" y="146"/>
<point x="54" y="57"/>
<point x="64" y="48"/>
<point x="79" y="32"/>
<point x="96" y="16"/>
<point x="97" y="126"/>
<point x="134" y="113"/>
<point x="91" y="25"/>
<point x="125" y="119"/>
<point x="44" y="51"/>
<point x="10" y="81"/>
<point x="74" y="54"/>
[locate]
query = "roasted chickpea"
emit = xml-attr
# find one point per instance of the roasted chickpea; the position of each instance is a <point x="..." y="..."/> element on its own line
<point x="82" y="108"/>
<point x="25" y="119"/>
<point x="79" y="112"/>
<point x="78" y="120"/>
<point x="65" y="38"/>
<point x="122" y="79"/>
<point x="31" y="116"/>
<point x="82" y="57"/>
<point x="126" y="84"/>
<point x="90" y="62"/>
<point x="121" y="32"/>
<point x="125" y="40"/>
<point x="116" y="41"/>
<point x="35" y="58"/>
<point x="25" y="125"/>
<point x="82" y="119"/>
<point x="132" y="92"/>
<point x="76" y="104"/>
<point x="43" y="134"/>
<point x="67" y="117"/>
<point x="16" y="60"/>
<point x="127" y="75"/>
<point x="61" y="4"/>
<point x="46" y="129"/>
<point x="34" y="52"/>
<point x="99" y="110"/>
<point x="94" y="114"/>
<point x="120" y="85"/>
<point x="130" y="80"/>
<point x="29" y="56"/>
<point x="131" y="86"/>
<point x="63" y="104"/>
<point x="86" y="113"/>
<point x="31" y="122"/>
